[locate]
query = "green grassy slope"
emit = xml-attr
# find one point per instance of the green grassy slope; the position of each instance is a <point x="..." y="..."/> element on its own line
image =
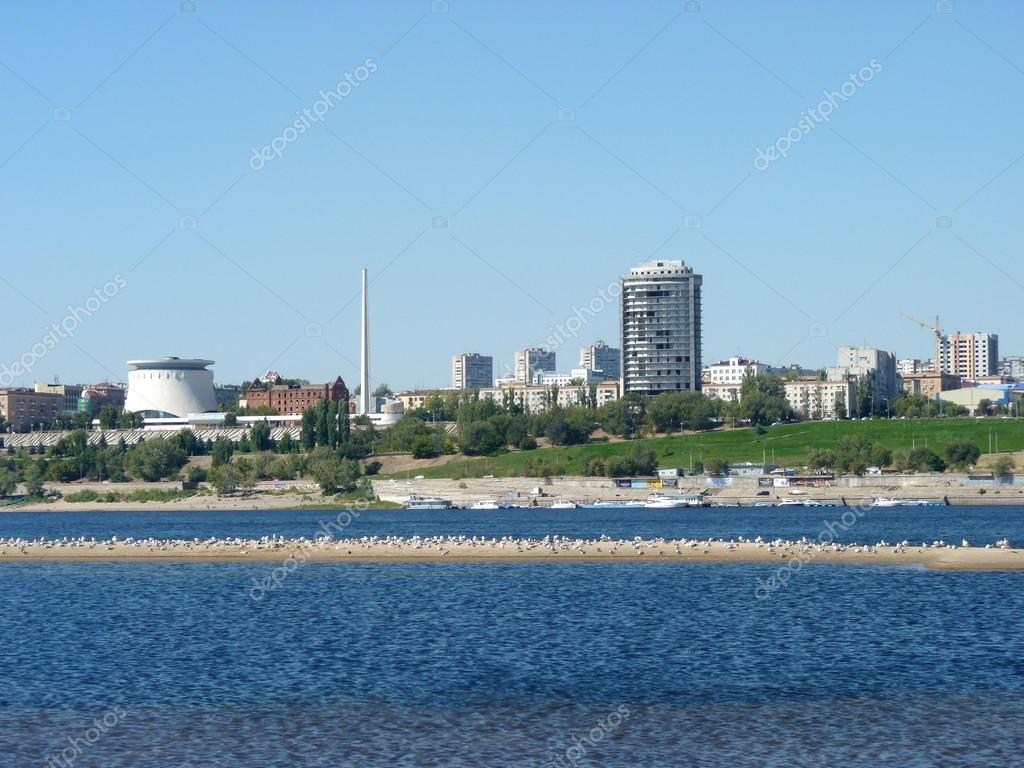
<point x="790" y="444"/>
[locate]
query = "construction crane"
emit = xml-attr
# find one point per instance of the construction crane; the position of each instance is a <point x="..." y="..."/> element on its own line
<point x="936" y="329"/>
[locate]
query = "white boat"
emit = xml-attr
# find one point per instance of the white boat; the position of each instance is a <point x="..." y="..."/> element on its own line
<point x="886" y="502"/>
<point x="800" y="503"/>
<point x="427" y="502"/>
<point x="486" y="504"/>
<point x="680" y="501"/>
<point x="565" y="504"/>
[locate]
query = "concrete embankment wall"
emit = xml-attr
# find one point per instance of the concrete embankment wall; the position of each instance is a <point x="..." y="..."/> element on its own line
<point x="956" y="489"/>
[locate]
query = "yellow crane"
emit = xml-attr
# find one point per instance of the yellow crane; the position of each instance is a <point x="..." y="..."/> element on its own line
<point x="936" y="329"/>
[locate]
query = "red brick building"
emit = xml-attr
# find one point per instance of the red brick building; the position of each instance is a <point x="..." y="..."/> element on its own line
<point x="287" y="399"/>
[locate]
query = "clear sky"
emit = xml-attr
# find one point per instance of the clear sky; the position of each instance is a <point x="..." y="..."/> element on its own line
<point x="560" y="143"/>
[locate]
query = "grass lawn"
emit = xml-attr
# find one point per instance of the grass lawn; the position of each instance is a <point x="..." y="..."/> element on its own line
<point x="787" y="445"/>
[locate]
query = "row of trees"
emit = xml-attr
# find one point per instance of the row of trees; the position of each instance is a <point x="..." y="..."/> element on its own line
<point x="855" y="454"/>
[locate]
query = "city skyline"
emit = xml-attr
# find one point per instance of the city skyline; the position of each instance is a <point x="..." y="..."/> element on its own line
<point x="527" y="188"/>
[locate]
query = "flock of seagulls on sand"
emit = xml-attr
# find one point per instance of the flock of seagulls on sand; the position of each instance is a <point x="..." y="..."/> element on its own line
<point x="466" y="545"/>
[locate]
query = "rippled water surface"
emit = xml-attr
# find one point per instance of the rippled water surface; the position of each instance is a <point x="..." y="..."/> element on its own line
<point x="510" y="665"/>
<point x="981" y="525"/>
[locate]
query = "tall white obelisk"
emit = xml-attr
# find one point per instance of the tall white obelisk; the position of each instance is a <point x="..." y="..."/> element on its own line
<point x="364" y="374"/>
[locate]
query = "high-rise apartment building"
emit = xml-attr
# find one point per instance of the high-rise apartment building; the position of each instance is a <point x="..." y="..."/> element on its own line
<point x="601" y="357"/>
<point x="529" y="362"/>
<point x="660" y="328"/>
<point x="472" y="371"/>
<point x="969" y="355"/>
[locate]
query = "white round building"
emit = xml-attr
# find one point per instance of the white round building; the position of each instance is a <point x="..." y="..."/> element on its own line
<point x="170" y="387"/>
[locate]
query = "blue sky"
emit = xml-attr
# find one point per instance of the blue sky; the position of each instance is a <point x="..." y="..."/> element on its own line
<point x="560" y="143"/>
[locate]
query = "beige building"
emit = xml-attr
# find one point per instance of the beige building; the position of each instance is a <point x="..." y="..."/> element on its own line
<point x="535" y="398"/>
<point x="929" y="385"/>
<point x="728" y="393"/>
<point x="26" y="409"/>
<point x="969" y="355"/>
<point x="815" y="399"/>
<point x="70" y="392"/>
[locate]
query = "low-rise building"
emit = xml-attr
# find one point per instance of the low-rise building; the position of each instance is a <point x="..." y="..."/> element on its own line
<point x="728" y="393"/>
<point x="26" y="409"/>
<point x="813" y="398"/>
<point x="284" y="398"/>
<point x="578" y="375"/>
<point x="70" y="392"/>
<point x="1012" y="367"/>
<point x="732" y="371"/>
<point x="536" y="399"/>
<point x="929" y="385"/>
<point x="97" y="396"/>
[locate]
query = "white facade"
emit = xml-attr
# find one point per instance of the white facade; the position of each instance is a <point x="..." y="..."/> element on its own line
<point x="733" y="370"/>
<point x="472" y="371"/>
<point x="815" y="399"/>
<point x="587" y="376"/>
<point x="535" y="398"/>
<point x="660" y="328"/>
<point x="170" y="386"/>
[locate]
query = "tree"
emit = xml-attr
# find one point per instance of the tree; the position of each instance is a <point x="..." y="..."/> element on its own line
<point x="717" y="467"/>
<point x="33" y="478"/>
<point x="960" y="453"/>
<point x="821" y="458"/>
<point x="259" y="436"/>
<point x="644" y="460"/>
<point x="108" y="417"/>
<point x="155" y="459"/>
<point x="568" y="426"/>
<point x="8" y="482"/>
<point x="423" y="448"/>
<point x="383" y="391"/>
<point x="1004" y="466"/>
<point x="286" y="444"/>
<point x="480" y="438"/>
<point x="984" y="407"/>
<point x="222" y="451"/>
<point x="225" y="479"/>
<point x="334" y="473"/>
<point x="621" y="417"/>
<point x="230" y="419"/>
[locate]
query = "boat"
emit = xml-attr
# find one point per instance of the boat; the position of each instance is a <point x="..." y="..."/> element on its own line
<point x="679" y="501"/>
<point x="889" y="502"/>
<point x="427" y="502"/>
<point x="764" y="504"/>
<point x="564" y="504"/>
<point x="488" y="504"/>
<point x="886" y="502"/>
